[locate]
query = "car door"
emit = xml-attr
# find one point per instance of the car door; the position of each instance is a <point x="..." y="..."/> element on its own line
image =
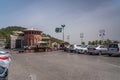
<point x="103" y="49"/>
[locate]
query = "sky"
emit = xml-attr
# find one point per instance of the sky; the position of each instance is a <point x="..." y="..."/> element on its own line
<point x="78" y="16"/>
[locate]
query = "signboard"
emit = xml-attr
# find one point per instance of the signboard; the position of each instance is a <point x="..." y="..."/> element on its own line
<point x="58" y="30"/>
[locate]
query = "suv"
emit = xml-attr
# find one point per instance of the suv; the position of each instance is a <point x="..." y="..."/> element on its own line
<point x="114" y="49"/>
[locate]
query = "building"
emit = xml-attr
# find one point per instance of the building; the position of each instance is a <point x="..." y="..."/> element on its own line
<point x="32" y="37"/>
<point x="17" y="39"/>
<point x="29" y="38"/>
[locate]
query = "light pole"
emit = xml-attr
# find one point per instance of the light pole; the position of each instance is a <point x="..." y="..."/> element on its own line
<point x="63" y="31"/>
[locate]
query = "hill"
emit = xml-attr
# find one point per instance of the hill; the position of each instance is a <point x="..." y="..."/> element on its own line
<point x="6" y="32"/>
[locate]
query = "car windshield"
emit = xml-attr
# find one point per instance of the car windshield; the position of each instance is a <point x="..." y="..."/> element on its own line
<point x="113" y="46"/>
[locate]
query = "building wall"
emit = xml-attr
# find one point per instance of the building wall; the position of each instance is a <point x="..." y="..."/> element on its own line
<point x="13" y="41"/>
<point x="32" y="39"/>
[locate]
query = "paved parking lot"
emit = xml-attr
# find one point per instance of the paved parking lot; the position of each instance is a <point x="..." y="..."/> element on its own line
<point x="60" y="65"/>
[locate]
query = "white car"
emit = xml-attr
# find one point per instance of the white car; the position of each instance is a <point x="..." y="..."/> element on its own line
<point x="83" y="49"/>
<point x="4" y="51"/>
<point x="5" y="57"/>
<point x="74" y="48"/>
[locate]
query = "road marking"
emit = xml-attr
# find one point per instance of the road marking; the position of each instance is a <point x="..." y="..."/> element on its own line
<point x="114" y="65"/>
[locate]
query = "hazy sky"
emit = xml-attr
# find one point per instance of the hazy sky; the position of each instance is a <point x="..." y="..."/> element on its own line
<point x="79" y="16"/>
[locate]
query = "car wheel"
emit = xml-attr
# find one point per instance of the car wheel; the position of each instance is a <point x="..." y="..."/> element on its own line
<point x="110" y="54"/>
<point x="85" y="52"/>
<point x="90" y="53"/>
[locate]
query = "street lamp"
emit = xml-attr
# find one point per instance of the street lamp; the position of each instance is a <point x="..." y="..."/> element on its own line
<point x="63" y="31"/>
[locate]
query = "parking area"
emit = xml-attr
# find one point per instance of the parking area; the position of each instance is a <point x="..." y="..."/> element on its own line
<point x="60" y="65"/>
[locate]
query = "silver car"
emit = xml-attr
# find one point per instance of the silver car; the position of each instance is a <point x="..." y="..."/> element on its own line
<point x="91" y="49"/>
<point x="100" y="49"/>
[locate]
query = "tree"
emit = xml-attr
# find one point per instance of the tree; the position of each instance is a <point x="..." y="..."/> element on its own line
<point x="100" y="42"/>
<point x="115" y="41"/>
<point x="96" y="42"/>
<point x="104" y="42"/>
<point x="89" y="43"/>
<point x="93" y="42"/>
<point x="108" y="41"/>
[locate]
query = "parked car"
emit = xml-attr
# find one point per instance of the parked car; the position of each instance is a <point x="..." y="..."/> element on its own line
<point x="4" y="51"/>
<point x="83" y="49"/>
<point x="3" y="71"/>
<point x="91" y="49"/>
<point x="114" y="50"/>
<point x="74" y="48"/>
<point x="4" y="63"/>
<point x="66" y="48"/>
<point x="100" y="49"/>
<point x="5" y="57"/>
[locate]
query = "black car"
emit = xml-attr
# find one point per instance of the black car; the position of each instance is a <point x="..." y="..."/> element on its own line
<point x="3" y="73"/>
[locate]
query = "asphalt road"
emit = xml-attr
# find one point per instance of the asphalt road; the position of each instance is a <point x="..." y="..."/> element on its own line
<point x="60" y="65"/>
